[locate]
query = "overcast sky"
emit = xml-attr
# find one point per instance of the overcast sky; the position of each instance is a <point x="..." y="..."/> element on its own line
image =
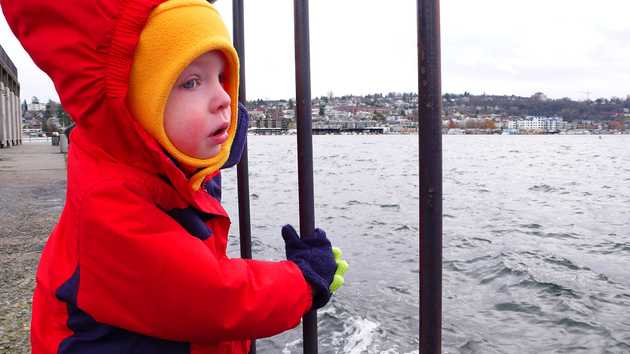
<point x="563" y="48"/>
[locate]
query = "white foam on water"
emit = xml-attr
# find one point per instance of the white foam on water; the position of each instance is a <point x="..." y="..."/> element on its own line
<point x="395" y="351"/>
<point x="359" y="335"/>
<point x="328" y="310"/>
<point x="294" y="344"/>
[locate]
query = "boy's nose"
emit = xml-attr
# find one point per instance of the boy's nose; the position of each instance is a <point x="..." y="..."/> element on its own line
<point x="219" y="99"/>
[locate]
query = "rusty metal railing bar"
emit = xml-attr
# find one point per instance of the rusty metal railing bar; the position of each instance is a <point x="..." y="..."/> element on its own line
<point x="430" y="160"/>
<point x="242" y="169"/>
<point x="305" y="148"/>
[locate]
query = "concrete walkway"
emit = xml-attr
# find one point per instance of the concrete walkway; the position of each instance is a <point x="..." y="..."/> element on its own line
<point x="32" y="194"/>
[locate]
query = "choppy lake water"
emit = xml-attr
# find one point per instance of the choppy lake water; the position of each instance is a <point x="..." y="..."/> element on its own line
<point x="536" y="240"/>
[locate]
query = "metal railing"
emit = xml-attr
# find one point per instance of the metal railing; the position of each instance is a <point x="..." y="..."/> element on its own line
<point x="430" y="161"/>
<point x="305" y="147"/>
<point x="242" y="169"/>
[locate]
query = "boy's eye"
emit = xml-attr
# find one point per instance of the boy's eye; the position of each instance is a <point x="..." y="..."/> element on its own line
<point x="191" y="84"/>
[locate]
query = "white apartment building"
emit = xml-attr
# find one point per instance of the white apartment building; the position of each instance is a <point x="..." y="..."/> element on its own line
<point x="547" y="124"/>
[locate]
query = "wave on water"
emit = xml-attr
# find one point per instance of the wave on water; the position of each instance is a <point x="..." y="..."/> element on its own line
<point x="518" y="307"/>
<point x="294" y="344"/>
<point x="544" y="188"/>
<point x="563" y="262"/>
<point x="359" y="335"/>
<point x="531" y="226"/>
<point x="611" y="247"/>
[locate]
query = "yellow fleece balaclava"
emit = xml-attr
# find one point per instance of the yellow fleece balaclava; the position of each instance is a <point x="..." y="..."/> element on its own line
<point x="176" y="33"/>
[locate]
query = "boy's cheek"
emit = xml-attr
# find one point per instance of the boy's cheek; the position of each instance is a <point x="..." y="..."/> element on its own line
<point x="196" y="127"/>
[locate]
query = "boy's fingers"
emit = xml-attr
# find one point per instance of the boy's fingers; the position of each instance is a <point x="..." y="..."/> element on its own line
<point x="320" y="234"/>
<point x="289" y="233"/>
<point x="337" y="253"/>
<point x="342" y="267"/>
<point x="336" y="283"/>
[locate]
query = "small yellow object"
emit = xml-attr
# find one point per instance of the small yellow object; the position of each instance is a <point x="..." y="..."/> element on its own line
<point x="337" y="283"/>
<point x="342" y="268"/>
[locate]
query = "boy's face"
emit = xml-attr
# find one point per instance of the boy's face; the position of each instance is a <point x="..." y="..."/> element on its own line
<point x="197" y="113"/>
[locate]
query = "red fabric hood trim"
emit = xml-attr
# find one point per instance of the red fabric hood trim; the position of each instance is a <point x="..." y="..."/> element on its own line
<point x="124" y="41"/>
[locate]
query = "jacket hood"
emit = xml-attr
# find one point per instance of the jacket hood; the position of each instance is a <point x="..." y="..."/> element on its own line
<point x="88" y="49"/>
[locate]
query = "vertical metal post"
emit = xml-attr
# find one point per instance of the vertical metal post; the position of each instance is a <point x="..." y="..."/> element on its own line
<point x="305" y="147"/>
<point x="242" y="170"/>
<point x="430" y="156"/>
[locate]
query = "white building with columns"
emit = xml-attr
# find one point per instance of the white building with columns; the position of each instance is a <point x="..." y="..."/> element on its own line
<point x="10" y="116"/>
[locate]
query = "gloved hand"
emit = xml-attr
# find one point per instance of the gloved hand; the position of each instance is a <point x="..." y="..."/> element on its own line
<point x="320" y="263"/>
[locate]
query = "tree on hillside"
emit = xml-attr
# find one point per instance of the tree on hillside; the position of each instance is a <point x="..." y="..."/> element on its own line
<point x="64" y="118"/>
<point x="378" y="116"/>
<point x="50" y="109"/>
<point x="616" y="125"/>
<point x="51" y="125"/>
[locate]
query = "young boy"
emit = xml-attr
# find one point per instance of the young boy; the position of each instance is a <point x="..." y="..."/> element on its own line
<point x="137" y="262"/>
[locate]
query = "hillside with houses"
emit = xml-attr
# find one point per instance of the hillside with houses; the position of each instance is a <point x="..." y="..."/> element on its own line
<point x="397" y="113"/>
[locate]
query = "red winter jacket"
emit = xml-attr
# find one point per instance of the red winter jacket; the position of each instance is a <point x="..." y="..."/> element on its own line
<point x="137" y="262"/>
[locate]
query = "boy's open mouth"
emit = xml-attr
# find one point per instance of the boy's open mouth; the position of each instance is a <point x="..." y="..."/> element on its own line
<point x="219" y="135"/>
<point x="221" y="130"/>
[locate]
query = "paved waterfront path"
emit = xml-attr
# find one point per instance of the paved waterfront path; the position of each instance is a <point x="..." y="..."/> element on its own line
<point x="32" y="194"/>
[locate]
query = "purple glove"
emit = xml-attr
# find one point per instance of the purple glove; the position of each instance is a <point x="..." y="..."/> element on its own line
<point x="314" y="257"/>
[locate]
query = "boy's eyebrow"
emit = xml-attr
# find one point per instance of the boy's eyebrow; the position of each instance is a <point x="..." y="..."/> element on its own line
<point x="199" y="63"/>
<point x="193" y="65"/>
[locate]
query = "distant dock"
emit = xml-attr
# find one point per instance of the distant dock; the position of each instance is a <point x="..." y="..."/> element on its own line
<point x="320" y="131"/>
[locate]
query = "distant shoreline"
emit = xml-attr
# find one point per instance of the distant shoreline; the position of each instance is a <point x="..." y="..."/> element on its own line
<point x="564" y="133"/>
